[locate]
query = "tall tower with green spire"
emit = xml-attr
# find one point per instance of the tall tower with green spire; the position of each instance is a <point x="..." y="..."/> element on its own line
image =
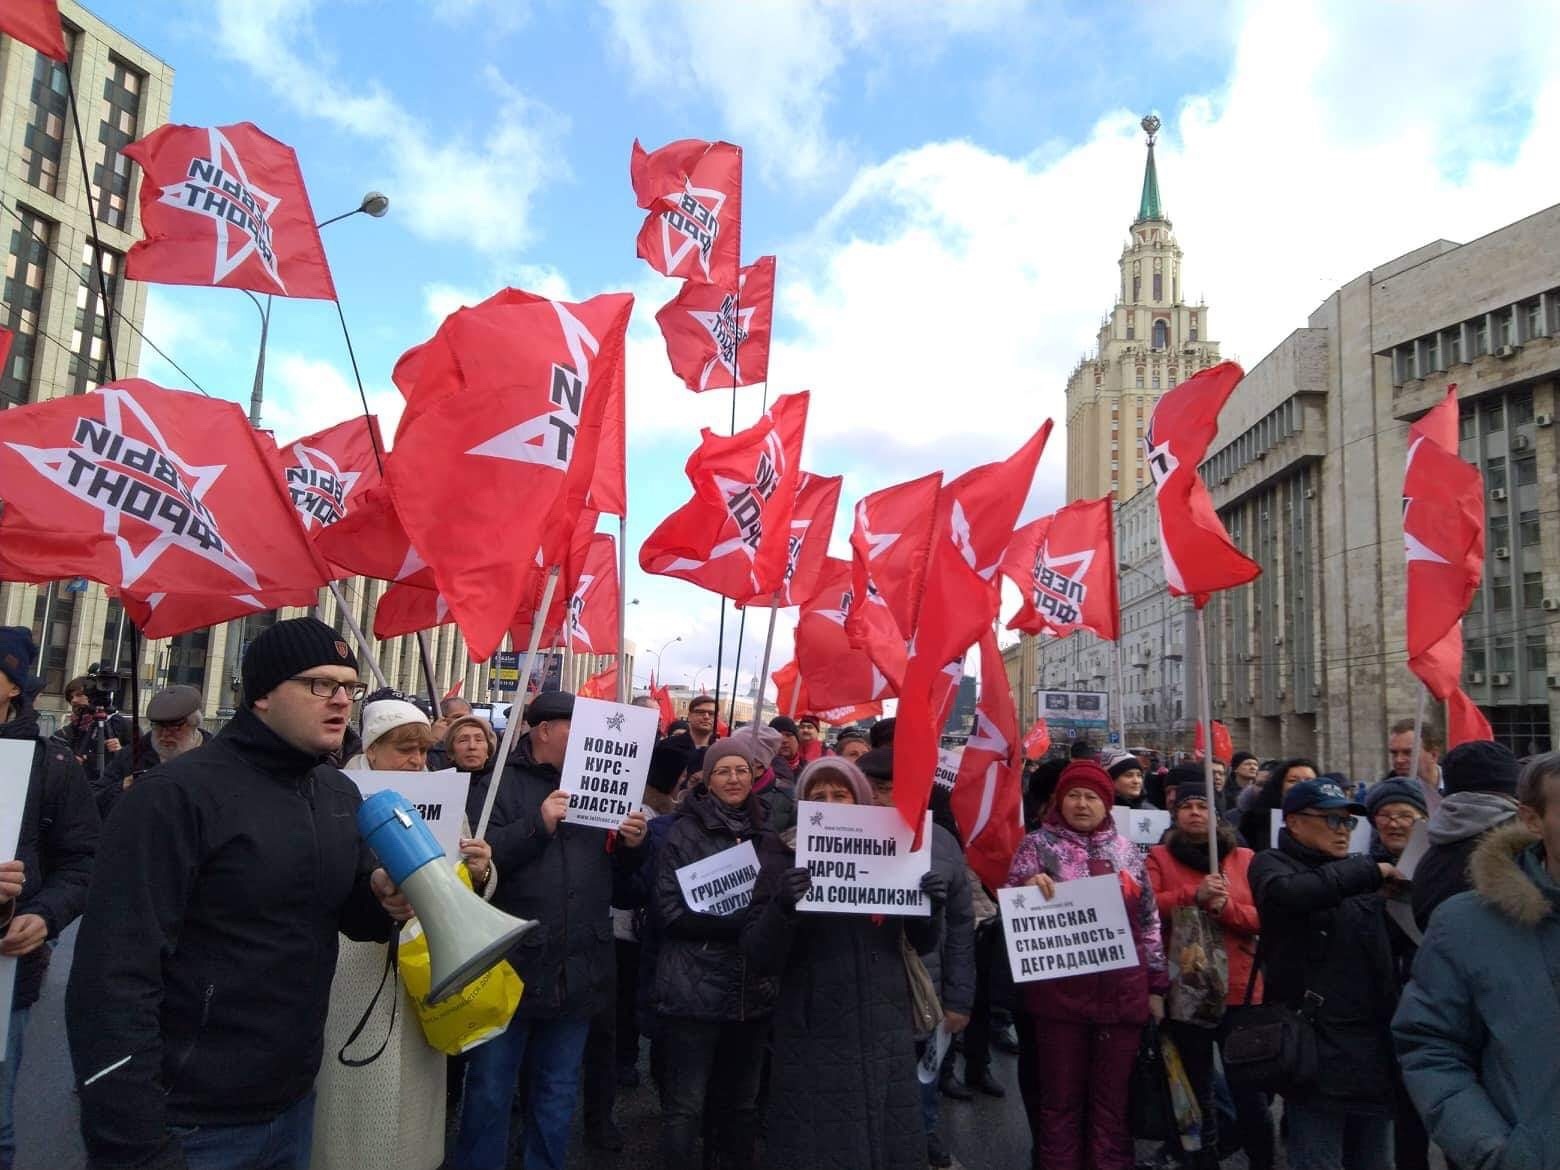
<point x="1150" y="341"/>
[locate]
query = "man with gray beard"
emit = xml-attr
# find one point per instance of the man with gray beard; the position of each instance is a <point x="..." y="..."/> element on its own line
<point x="174" y="714"/>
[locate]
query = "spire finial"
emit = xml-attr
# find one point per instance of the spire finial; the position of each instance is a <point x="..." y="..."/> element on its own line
<point x="1150" y="126"/>
<point x="1148" y="206"/>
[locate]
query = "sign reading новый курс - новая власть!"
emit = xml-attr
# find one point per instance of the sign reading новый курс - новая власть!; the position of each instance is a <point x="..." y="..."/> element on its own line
<point x="608" y="758"/>
<point x="1082" y="929"/>
<point x="860" y="860"/>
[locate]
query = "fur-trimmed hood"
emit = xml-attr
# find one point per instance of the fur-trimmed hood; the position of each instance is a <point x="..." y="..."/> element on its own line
<point x="1507" y="874"/>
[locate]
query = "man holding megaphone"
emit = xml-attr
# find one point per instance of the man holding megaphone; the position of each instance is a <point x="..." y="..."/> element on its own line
<point x="196" y="1005"/>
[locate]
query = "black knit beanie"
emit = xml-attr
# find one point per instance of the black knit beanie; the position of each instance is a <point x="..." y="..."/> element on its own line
<point x="289" y="648"/>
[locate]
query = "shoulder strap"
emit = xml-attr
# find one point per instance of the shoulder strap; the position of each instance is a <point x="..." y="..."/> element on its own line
<point x="1251" y="979"/>
<point x="390" y="958"/>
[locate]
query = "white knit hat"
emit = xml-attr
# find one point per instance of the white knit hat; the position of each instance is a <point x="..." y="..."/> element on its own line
<point x="386" y="715"/>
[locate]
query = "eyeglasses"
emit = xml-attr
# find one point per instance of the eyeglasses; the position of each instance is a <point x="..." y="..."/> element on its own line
<point x="743" y="773"/>
<point x="1402" y="818"/>
<point x="1335" y="821"/>
<point x="326" y="688"/>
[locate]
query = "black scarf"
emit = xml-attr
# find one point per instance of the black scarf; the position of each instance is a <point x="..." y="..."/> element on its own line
<point x="1191" y="849"/>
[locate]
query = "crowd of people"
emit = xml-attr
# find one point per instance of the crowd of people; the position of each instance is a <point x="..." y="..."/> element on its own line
<point x="233" y="1000"/>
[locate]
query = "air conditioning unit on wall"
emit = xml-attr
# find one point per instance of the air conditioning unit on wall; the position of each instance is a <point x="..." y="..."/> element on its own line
<point x="1501" y="679"/>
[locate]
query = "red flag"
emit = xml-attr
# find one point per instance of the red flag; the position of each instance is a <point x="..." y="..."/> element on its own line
<point x="717" y="339"/>
<point x="1464" y="721"/>
<point x="593" y="607"/>
<point x="570" y="571"/>
<point x="329" y="472"/>
<point x="454" y="691"/>
<point x="405" y="609"/>
<point x="6" y="338"/>
<point x="975" y="515"/>
<point x="663" y="698"/>
<point x="523" y="424"/>
<point x="793" y="700"/>
<point x="1064" y="565"/>
<point x="369" y="541"/>
<point x="1037" y="740"/>
<point x="35" y="23"/>
<point x="171" y="498"/>
<point x="812" y="523"/>
<point x="1223" y="746"/>
<point x="987" y="798"/>
<point x="226" y="206"/>
<point x="835" y="674"/>
<point x="601" y="685"/>
<point x="693" y="192"/>
<point x="890" y="545"/>
<point x="733" y="537"/>
<point x="1199" y="557"/>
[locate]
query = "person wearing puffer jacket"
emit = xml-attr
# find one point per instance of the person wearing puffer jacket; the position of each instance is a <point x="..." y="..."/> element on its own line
<point x="1085" y="1028"/>
<point x="1475" y="1030"/>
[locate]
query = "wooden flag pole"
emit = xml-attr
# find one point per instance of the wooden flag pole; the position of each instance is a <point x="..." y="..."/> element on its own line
<point x="1206" y="715"/>
<point x="763" y="673"/>
<point x="624" y="684"/>
<point x="513" y="725"/>
<point x="427" y="670"/>
<point x="364" y="649"/>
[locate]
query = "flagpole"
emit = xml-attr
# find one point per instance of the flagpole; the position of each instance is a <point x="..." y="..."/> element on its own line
<point x="1206" y="715"/>
<point x="1432" y="795"/>
<point x="769" y="644"/>
<point x="514" y="716"/>
<point x="357" y="632"/>
<point x="736" y="668"/>
<point x="1121" y="708"/>
<point x="796" y="691"/>
<point x="624" y="684"/>
<point x="427" y="670"/>
<point x="97" y="244"/>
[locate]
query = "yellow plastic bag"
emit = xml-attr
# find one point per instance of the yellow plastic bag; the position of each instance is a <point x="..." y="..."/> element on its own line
<point x="474" y="1015"/>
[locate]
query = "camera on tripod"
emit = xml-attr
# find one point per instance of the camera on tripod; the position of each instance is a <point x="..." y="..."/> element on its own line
<point x="106" y="685"/>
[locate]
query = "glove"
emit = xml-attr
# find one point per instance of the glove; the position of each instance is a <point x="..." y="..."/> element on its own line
<point x="935" y="886"/>
<point x="794" y="884"/>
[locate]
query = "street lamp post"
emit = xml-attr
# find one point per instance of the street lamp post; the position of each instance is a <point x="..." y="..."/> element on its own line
<point x="662" y="651"/>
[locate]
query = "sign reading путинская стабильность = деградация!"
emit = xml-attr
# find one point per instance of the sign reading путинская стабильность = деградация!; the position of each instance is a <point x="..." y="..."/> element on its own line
<point x="1082" y="929"/>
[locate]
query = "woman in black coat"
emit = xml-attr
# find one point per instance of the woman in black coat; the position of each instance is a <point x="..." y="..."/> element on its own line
<point x="714" y="1005"/>
<point x="843" y="1093"/>
<point x="1256" y="819"/>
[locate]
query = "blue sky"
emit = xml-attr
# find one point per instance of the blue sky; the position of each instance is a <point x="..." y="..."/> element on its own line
<point x="947" y="186"/>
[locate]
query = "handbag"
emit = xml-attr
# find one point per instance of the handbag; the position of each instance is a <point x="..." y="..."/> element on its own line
<point x="925" y="1008"/>
<point x="1199" y="969"/>
<point x="1271" y="1047"/>
<point x="1150" y="1109"/>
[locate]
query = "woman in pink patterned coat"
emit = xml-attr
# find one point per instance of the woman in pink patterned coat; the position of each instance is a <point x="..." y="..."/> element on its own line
<point x="1084" y="1029"/>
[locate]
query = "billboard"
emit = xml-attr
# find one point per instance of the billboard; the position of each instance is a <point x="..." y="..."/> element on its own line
<point x="1072" y="712"/>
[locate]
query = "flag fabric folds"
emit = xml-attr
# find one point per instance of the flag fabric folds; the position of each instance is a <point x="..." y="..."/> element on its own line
<point x="1037" y="740"/>
<point x="226" y="206"/>
<point x="593" y="604"/>
<point x="1064" y="566"/>
<point x="717" y="338"/>
<point x="36" y="23"/>
<point x="733" y="537"/>
<point x="601" y="685"/>
<point x="792" y="699"/>
<point x="987" y="798"/>
<point x="693" y="192"/>
<point x="1200" y="559"/>
<point x="835" y="674"/>
<point x="1443" y="541"/>
<point x="812" y="523"/>
<point x="1223" y="745"/>
<point x="329" y="471"/>
<point x="167" y="497"/>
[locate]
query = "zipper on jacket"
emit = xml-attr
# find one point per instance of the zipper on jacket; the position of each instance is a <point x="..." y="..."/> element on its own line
<point x="189" y="1049"/>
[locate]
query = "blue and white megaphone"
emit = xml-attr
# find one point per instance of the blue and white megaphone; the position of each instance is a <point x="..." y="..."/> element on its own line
<point x="466" y="936"/>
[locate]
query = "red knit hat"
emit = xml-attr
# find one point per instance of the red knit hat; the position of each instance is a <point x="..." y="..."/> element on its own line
<point x="1086" y="774"/>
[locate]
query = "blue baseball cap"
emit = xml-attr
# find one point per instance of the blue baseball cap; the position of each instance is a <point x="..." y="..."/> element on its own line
<point x="1322" y="794"/>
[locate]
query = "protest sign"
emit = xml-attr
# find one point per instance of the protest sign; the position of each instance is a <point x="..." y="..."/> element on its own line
<point x="929" y="1067"/>
<point x="16" y="758"/>
<point x="947" y="767"/>
<point x="1142" y="826"/>
<point x="1359" y="839"/>
<point x="1414" y="852"/>
<point x="722" y="883"/>
<point x="860" y="860"/>
<point x="439" y="796"/>
<point x="608" y="758"/>
<point x="1081" y="930"/>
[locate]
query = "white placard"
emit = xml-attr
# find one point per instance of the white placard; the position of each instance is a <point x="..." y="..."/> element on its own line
<point x="947" y="772"/>
<point x="1414" y="852"/>
<point x="860" y="860"/>
<point x="1142" y="826"/>
<point x="608" y="759"/>
<point x="1081" y="930"/>
<point x="16" y="759"/>
<point x="929" y="1067"/>
<point x="722" y="883"/>
<point x="439" y="796"/>
<point x="1359" y="838"/>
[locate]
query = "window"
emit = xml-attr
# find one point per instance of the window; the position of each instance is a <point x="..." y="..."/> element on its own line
<point x="1403" y="361"/>
<point x="1453" y="345"/>
<point x="1131" y="326"/>
<point x="1532" y="320"/>
<point x="1500" y="597"/>
<point x="1505" y="656"/>
<point x="1481" y="337"/>
<point x="1161" y="334"/>
<point x="1527" y="527"/>
<point x="187" y="659"/>
<point x="1156" y="380"/>
<point x="1433" y="353"/>
<point x="1474" y="660"/>
<point x="1536" y="653"/>
<point x="1499" y="531"/>
<point x="43" y="143"/>
<point x="1532" y="590"/>
<point x="1526" y="470"/>
<point x="1467" y="427"/>
<point x="1192" y="336"/>
<point x="88" y="342"/>
<point x="1520" y="406"/>
<point x="1503" y="318"/>
<point x="1159" y="287"/>
<point x="23" y="303"/>
<point x="53" y="615"/>
<point x="115" y="651"/>
<point x="1140" y="378"/>
<point x="1495" y="473"/>
<point x="1137" y="288"/>
<point x="120" y="116"/>
<point x="1494" y="415"/>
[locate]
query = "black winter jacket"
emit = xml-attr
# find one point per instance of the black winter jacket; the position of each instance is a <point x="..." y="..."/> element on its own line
<point x="111" y="785"/>
<point x="563" y="880"/>
<point x="1324" y="932"/>
<point x="59" y="835"/>
<point x="952" y="963"/>
<point x="204" y="962"/>
<point x="701" y="972"/>
<point x="843" y="1090"/>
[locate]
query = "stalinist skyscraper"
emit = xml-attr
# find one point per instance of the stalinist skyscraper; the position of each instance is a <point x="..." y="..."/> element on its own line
<point x="1151" y="340"/>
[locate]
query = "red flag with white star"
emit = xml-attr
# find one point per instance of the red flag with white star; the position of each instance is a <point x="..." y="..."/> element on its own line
<point x="36" y="23"/>
<point x="732" y="538"/>
<point x="987" y="798"/>
<point x="1064" y="566"/>
<point x="226" y="206"/>
<point x="890" y="545"/>
<point x="812" y="524"/>
<point x="369" y="541"/>
<point x="1200" y="559"/>
<point x="835" y="674"/>
<point x="792" y="699"/>
<point x="975" y="515"/>
<point x="693" y="192"/>
<point x="522" y="423"/>
<point x="171" y="498"/>
<point x="1037" y="740"/>
<point x="330" y="471"/>
<point x="601" y="685"/>
<point x="593" y="606"/>
<point x="717" y="338"/>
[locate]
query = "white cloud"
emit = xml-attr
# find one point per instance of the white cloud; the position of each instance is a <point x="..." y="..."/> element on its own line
<point x="306" y="394"/>
<point x="474" y="188"/>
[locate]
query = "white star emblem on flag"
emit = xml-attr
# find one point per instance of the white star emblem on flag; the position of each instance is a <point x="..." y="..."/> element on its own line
<point x="188" y="195"/>
<point x="313" y="459"/>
